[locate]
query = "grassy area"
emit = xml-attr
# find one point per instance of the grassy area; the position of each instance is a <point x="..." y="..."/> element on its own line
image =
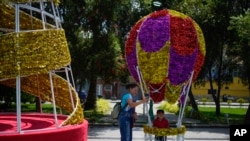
<point x="46" y="108"/>
<point x="93" y="116"/>
<point x="227" y="114"/>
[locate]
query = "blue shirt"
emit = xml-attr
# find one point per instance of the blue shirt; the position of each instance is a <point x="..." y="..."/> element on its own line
<point x="124" y="101"/>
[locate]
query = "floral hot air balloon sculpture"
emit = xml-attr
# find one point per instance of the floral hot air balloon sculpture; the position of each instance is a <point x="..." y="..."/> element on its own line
<point x="165" y="51"/>
<point x="166" y="46"/>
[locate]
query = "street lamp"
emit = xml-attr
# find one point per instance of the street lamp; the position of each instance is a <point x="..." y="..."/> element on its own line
<point x="157" y="5"/>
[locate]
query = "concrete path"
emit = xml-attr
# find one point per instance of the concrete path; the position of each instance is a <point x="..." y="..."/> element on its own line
<point x="112" y="133"/>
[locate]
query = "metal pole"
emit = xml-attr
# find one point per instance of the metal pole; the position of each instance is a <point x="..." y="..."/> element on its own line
<point x="146" y="105"/>
<point x="72" y="77"/>
<point x="42" y="14"/>
<point x="71" y="97"/>
<point x="53" y="99"/>
<point x="18" y="103"/>
<point x="180" y="137"/>
<point x="18" y="81"/>
<point x="54" y="13"/>
<point x="185" y="101"/>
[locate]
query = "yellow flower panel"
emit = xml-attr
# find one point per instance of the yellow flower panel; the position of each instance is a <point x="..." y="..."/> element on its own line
<point x="177" y="14"/>
<point x="153" y="66"/>
<point x="172" y="93"/>
<point x="201" y="38"/>
<point x="39" y="85"/>
<point x="26" y="21"/>
<point x="164" y="131"/>
<point x="33" y="52"/>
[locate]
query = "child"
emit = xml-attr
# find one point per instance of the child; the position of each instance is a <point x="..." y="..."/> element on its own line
<point x="160" y="122"/>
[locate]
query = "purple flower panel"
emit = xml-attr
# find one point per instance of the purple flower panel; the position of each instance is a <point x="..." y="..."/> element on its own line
<point x="180" y="67"/>
<point x="154" y="33"/>
<point x="132" y="63"/>
<point x="183" y="94"/>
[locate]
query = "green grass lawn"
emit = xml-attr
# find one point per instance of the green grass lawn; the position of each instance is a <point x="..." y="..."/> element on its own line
<point x="235" y="115"/>
<point x="46" y="108"/>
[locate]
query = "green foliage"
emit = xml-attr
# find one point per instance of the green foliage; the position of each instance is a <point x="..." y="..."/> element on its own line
<point x="240" y="50"/>
<point x="190" y="112"/>
<point x="92" y="115"/>
<point x="204" y="100"/>
<point x="27" y="98"/>
<point x="171" y="108"/>
<point x="46" y="108"/>
<point x="241" y="24"/>
<point x="221" y="100"/>
<point x="91" y="33"/>
<point x="8" y="95"/>
<point x="229" y="102"/>
<point x="106" y="18"/>
<point x="241" y="101"/>
<point x="102" y="106"/>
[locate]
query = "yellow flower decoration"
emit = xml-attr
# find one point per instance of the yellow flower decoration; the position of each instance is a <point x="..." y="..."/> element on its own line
<point x="164" y="131"/>
<point x="151" y="64"/>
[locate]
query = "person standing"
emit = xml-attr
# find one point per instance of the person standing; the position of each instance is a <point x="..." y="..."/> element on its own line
<point x="128" y="115"/>
<point x="160" y="122"/>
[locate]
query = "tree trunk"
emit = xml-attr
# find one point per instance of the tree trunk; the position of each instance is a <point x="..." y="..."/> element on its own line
<point x="192" y="101"/>
<point x="217" y="102"/>
<point x="247" y="117"/>
<point x="38" y="105"/>
<point x="91" y="97"/>
<point x="195" y="110"/>
<point x="212" y="92"/>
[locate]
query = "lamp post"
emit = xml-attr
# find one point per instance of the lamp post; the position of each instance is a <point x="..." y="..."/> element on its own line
<point x="158" y="5"/>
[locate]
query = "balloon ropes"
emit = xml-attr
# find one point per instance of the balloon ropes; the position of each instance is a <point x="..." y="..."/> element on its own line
<point x="165" y="51"/>
<point x="33" y="51"/>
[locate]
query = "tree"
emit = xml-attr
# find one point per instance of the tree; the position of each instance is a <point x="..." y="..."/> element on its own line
<point x="127" y="14"/>
<point x="7" y="95"/>
<point x="240" y="51"/>
<point x="213" y="16"/>
<point x="91" y="30"/>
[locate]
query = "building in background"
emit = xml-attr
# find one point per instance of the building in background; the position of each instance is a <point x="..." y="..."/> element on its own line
<point x="235" y="89"/>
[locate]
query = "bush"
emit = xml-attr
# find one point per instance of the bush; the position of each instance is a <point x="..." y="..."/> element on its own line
<point x="241" y="101"/>
<point x="102" y="106"/>
<point x="204" y="100"/>
<point x="171" y="108"/>
<point x="229" y="102"/>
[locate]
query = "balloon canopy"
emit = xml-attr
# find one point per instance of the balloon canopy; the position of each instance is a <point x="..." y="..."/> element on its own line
<point x="166" y="46"/>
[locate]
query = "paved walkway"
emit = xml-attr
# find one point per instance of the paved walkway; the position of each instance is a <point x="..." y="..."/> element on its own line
<point x="112" y="133"/>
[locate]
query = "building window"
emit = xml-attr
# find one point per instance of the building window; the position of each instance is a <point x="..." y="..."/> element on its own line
<point x="99" y="89"/>
<point x="108" y="87"/>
